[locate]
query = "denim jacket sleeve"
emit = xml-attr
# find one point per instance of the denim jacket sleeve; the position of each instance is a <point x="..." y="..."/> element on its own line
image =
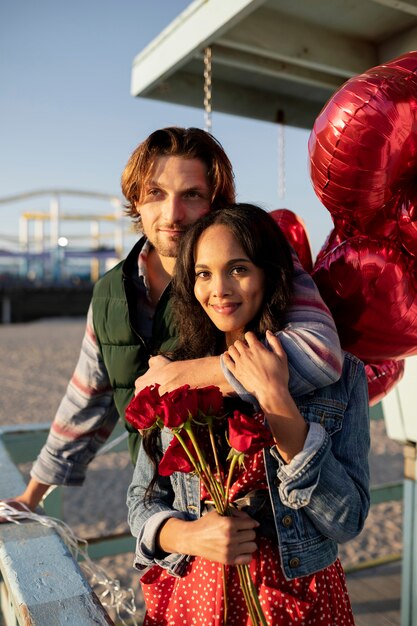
<point x="145" y="517"/>
<point x="329" y="479"/>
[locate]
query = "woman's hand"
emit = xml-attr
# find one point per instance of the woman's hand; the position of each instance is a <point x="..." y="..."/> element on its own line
<point x="264" y="373"/>
<point x="226" y="540"/>
<point x="258" y="369"/>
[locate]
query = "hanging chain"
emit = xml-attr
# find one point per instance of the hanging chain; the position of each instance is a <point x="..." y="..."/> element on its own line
<point x="207" y="89"/>
<point x="281" y="161"/>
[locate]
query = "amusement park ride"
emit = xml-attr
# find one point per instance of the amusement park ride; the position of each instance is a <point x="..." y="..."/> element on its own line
<point x="48" y="270"/>
<point x="48" y="252"/>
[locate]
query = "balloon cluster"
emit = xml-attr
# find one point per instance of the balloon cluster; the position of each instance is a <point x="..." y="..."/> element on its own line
<point x="383" y="374"/>
<point x="363" y="165"/>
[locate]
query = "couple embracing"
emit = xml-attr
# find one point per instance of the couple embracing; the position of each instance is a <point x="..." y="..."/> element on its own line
<point x="214" y="295"/>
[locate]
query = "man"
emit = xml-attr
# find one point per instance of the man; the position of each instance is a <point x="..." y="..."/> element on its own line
<point x="174" y="177"/>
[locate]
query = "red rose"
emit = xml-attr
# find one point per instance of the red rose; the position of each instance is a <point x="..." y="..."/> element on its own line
<point x="177" y="405"/>
<point x="142" y="411"/>
<point x="248" y="435"/>
<point x="210" y="400"/>
<point x="175" y="458"/>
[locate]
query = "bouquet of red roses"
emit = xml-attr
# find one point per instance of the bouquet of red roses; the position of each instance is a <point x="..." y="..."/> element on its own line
<point x="194" y="415"/>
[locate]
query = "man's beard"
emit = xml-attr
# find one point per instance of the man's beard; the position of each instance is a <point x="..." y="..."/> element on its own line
<point x="168" y="247"/>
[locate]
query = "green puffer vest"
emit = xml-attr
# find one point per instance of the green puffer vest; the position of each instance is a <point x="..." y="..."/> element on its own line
<point x="125" y="353"/>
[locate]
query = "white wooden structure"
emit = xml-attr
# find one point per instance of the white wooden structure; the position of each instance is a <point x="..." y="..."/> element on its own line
<point x="274" y="60"/>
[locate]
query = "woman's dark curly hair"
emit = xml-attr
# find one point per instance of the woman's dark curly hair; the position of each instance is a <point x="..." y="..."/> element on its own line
<point x="266" y="246"/>
<point x="263" y="241"/>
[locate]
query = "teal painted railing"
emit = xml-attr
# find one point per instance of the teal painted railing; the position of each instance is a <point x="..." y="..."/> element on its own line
<point x="41" y="584"/>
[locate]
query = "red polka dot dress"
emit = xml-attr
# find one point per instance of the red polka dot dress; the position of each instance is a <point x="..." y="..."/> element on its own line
<point x="197" y="597"/>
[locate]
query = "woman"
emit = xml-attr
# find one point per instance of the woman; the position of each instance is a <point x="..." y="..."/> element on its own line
<point x="312" y="486"/>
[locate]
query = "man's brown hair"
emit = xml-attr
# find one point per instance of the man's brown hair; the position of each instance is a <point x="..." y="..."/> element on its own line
<point x="189" y="143"/>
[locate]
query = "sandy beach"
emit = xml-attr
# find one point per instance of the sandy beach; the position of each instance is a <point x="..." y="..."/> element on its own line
<point x="36" y="361"/>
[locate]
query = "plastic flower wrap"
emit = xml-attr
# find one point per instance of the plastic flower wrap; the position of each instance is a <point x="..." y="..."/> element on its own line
<point x="195" y="416"/>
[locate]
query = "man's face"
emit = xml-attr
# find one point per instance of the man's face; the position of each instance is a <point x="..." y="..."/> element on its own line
<point x="175" y="195"/>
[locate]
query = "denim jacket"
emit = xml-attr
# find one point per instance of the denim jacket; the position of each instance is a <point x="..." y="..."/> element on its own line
<point x="321" y="498"/>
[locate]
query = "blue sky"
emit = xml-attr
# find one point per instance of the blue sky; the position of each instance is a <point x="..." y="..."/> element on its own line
<point x="67" y="119"/>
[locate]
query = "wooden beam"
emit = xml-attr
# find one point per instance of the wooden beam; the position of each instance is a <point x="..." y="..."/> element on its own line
<point x="400" y="44"/>
<point x="409" y="7"/>
<point x="241" y="100"/>
<point x="282" y="37"/>
<point x="263" y="66"/>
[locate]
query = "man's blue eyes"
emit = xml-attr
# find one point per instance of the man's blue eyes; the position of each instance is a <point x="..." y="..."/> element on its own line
<point x="187" y="194"/>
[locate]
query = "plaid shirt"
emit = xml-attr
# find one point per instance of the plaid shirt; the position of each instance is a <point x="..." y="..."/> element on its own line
<point x="86" y="415"/>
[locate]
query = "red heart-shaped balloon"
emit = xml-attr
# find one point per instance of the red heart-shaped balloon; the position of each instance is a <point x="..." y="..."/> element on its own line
<point x="295" y="231"/>
<point x="369" y="286"/>
<point x="407" y="219"/>
<point x="363" y="148"/>
<point x="382" y="377"/>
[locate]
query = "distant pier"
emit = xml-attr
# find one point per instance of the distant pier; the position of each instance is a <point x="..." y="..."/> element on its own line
<point x="24" y="302"/>
<point x="49" y="266"/>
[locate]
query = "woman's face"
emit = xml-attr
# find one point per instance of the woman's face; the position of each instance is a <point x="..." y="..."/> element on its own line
<point x="228" y="285"/>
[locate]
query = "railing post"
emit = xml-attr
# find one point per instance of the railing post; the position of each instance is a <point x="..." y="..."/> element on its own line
<point x="7" y="614"/>
<point x="6" y="309"/>
<point x="409" y="562"/>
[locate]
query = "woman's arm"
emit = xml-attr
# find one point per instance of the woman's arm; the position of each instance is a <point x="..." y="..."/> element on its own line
<point x="326" y="475"/>
<point x="227" y="540"/>
<point x="330" y="478"/>
<point x="166" y="535"/>
<point x="264" y="373"/>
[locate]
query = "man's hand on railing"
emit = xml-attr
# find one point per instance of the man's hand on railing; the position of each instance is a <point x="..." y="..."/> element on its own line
<point x="29" y="499"/>
<point x="7" y="505"/>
